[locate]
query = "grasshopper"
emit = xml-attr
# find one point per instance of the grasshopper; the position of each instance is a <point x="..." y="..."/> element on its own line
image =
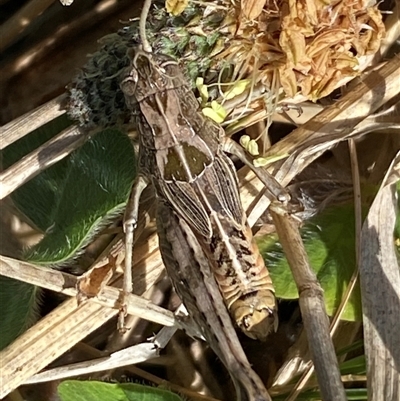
<point x="205" y="241"/>
<point x="182" y="154"/>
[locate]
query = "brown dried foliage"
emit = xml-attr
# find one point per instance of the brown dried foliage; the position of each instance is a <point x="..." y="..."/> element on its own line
<point x="314" y="46"/>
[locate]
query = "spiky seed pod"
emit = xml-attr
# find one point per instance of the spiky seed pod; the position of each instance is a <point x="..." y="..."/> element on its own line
<point x="94" y="96"/>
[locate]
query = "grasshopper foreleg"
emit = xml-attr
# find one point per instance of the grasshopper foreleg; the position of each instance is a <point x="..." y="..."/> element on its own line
<point x="130" y="223"/>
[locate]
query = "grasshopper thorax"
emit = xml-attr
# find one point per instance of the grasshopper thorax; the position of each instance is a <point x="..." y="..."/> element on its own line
<point x="150" y="74"/>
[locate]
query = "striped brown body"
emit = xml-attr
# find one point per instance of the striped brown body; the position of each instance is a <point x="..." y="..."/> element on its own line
<point x="181" y="153"/>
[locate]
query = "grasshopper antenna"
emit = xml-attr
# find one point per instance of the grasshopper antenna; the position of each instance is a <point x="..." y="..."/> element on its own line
<point x="142" y="26"/>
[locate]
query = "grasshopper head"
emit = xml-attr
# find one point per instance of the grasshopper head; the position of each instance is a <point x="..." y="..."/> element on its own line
<point x="256" y="314"/>
<point x="148" y="74"/>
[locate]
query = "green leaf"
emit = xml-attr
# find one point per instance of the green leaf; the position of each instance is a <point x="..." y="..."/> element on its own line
<point x="18" y="300"/>
<point x="36" y="197"/>
<point x="265" y="161"/>
<point x="74" y="390"/>
<point x="203" y="90"/>
<point x="330" y="245"/>
<point x="70" y="201"/>
<point x="94" y="189"/>
<point x="216" y="112"/>
<point x="354" y="366"/>
<point x="18" y="305"/>
<point x="237" y="89"/>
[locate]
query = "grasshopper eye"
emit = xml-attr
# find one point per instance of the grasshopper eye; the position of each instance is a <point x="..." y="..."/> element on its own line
<point x="129" y="83"/>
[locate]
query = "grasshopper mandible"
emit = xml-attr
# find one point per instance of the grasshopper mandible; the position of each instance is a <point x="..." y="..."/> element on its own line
<point x="182" y="155"/>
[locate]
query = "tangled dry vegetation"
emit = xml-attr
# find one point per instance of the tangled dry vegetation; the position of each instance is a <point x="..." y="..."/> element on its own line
<point x="310" y="88"/>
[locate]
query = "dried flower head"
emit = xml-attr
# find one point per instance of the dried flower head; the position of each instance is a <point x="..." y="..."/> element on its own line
<point x="291" y="48"/>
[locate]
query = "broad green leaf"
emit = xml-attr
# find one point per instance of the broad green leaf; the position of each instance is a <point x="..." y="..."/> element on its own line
<point x="94" y="190"/>
<point x="18" y="305"/>
<point x="70" y="201"/>
<point x="37" y="197"/>
<point x="18" y="300"/>
<point x="330" y="245"/>
<point x="74" y="390"/>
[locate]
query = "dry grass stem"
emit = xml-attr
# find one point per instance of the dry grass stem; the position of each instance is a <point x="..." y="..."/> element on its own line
<point x="337" y="122"/>
<point x="27" y="123"/>
<point x="146" y="270"/>
<point x="312" y="306"/>
<point x="67" y="284"/>
<point x="124" y="357"/>
<point x="41" y="158"/>
<point x="306" y="376"/>
<point x="93" y="352"/>
<point x="53" y="335"/>
<point x="128" y="356"/>
<point x="379" y="269"/>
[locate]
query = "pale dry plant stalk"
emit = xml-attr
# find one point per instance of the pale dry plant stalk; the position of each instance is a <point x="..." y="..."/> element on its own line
<point x="335" y="123"/>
